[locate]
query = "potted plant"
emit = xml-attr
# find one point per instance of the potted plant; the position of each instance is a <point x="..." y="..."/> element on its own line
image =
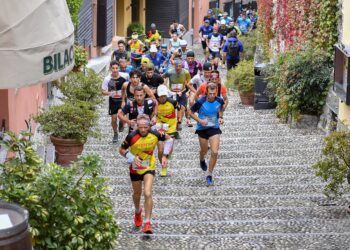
<point x="80" y="58"/>
<point x="242" y="77"/>
<point x="334" y="167"/>
<point x="299" y="81"/>
<point x="69" y="125"/>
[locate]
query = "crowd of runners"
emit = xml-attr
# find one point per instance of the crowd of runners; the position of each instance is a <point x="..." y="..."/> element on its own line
<point x="153" y="94"/>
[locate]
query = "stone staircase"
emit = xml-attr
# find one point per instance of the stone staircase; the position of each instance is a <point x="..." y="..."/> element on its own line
<point x="265" y="196"/>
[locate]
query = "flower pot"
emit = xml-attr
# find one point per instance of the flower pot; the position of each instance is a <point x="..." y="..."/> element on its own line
<point x="247" y="98"/>
<point x="66" y="150"/>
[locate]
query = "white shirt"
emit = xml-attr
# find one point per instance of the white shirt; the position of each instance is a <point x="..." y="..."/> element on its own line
<point x="108" y="78"/>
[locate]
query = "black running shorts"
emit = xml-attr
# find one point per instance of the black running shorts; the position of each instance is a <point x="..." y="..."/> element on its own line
<point x="139" y="177"/>
<point x="207" y="133"/>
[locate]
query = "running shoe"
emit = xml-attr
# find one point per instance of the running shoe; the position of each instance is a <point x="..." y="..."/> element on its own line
<point x="147" y="229"/>
<point x="164" y="172"/>
<point x="210" y="181"/>
<point x="138" y="218"/>
<point x="115" y="137"/>
<point x="203" y="165"/>
<point x="177" y="136"/>
<point x="189" y="123"/>
<point x="121" y="126"/>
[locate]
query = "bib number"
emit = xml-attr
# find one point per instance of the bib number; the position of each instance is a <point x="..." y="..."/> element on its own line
<point x="176" y="87"/>
<point x="211" y="121"/>
<point x="144" y="165"/>
<point x="118" y="94"/>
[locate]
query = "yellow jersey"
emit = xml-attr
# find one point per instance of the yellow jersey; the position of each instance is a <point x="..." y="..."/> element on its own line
<point x="167" y="114"/>
<point x="143" y="148"/>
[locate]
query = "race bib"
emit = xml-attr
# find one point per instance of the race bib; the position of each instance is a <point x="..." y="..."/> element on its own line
<point x="144" y="165"/>
<point x="118" y="94"/>
<point x="176" y="87"/>
<point x="211" y="121"/>
<point x="205" y="36"/>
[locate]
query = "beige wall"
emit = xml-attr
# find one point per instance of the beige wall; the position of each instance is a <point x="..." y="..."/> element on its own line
<point x="143" y="12"/>
<point x="344" y="110"/>
<point x="123" y="16"/>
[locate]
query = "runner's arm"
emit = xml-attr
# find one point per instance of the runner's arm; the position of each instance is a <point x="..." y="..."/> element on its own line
<point x="149" y="92"/>
<point x="124" y="93"/>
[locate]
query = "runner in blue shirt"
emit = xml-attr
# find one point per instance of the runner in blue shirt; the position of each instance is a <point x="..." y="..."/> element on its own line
<point x="154" y="57"/>
<point x="233" y="54"/>
<point x="164" y="58"/>
<point x="204" y="32"/>
<point x="210" y="117"/>
<point x="244" y="24"/>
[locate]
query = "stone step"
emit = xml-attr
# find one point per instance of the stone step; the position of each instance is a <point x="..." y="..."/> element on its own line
<point x="226" y="139"/>
<point x="233" y="201"/>
<point x="240" y="214"/>
<point x="235" y="241"/>
<point x="223" y="146"/>
<point x="232" y="227"/>
<point x="233" y="190"/>
<point x="252" y="180"/>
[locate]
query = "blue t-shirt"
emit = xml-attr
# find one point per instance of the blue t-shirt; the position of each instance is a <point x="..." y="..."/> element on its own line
<point x="208" y="110"/>
<point x="156" y="60"/>
<point x="206" y="30"/>
<point x="128" y="69"/>
<point x="227" y="20"/>
<point x="227" y="43"/>
<point x="243" y="25"/>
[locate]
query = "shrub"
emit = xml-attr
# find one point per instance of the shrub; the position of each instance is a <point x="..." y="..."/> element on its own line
<point x="82" y="87"/>
<point x="335" y="165"/>
<point x="69" y="208"/>
<point x="299" y="81"/>
<point x="69" y="121"/>
<point x="249" y="44"/>
<point x="242" y="77"/>
<point x="135" y="27"/>
<point x="80" y="57"/>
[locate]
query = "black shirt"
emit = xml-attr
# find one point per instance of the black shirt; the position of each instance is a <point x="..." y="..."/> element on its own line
<point x="153" y="82"/>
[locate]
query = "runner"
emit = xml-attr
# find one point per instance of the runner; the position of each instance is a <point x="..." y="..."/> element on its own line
<point x="174" y="42"/>
<point x="166" y="119"/>
<point x="154" y="57"/>
<point x="136" y="47"/>
<point x="233" y="48"/>
<point x="138" y="148"/>
<point x="128" y="88"/>
<point x="112" y="87"/>
<point x="153" y="36"/>
<point x="209" y="118"/>
<point x="164" y="59"/>
<point x="179" y="79"/>
<point x="178" y="28"/>
<point x="204" y="32"/>
<point x="138" y="107"/>
<point x="124" y="67"/>
<point x="151" y="79"/>
<point x="221" y="89"/>
<point x="121" y="52"/>
<point x="214" y="44"/>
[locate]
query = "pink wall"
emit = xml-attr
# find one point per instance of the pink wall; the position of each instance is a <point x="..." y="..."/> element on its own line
<point x="200" y="10"/>
<point x="24" y="102"/>
<point x="4" y="112"/>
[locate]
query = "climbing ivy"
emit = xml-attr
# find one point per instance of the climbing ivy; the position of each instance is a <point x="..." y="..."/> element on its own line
<point x="74" y="8"/>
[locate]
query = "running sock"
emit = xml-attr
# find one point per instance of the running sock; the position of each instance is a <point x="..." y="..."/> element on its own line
<point x="148" y="221"/>
<point x="210" y="173"/>
<point x="138" y="210"/>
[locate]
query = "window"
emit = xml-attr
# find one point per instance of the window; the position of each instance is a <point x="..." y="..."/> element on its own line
<point x="342" y="73"/>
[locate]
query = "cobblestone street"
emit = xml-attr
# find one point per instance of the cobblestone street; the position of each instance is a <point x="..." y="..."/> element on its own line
<point x="265" y="194"/>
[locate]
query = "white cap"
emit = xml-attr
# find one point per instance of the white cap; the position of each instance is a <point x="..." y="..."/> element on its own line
<point x="162" y="90"/>
<point x="222" y="21"/>
<point x="153" y="48"/>
<point x="183" y="43"/>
